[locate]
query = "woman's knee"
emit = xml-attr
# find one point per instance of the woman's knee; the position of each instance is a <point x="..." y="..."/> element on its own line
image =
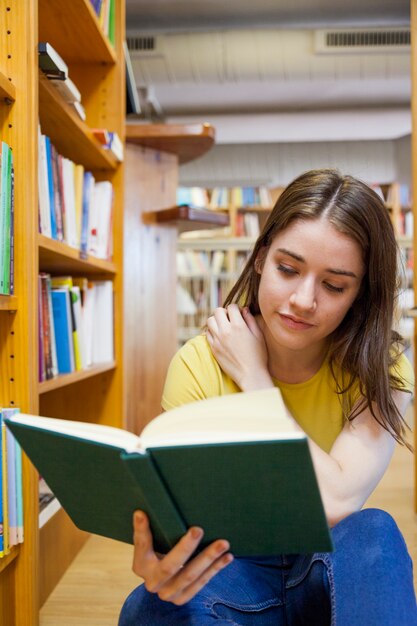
<point x="371" y="532"/>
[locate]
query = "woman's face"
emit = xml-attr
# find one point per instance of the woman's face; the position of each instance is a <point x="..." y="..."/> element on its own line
<point x="310" y="277"/>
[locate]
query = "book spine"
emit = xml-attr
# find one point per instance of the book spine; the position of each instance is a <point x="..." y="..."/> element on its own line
<point x="11" y="269"/>
<point x="11" y="485"/>
<point x="47" y="346"/>
<point x="3" y="209"/>
<point x="50" y="190"/>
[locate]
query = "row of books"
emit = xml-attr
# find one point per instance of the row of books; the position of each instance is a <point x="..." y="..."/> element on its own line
<point x="211" y="263"/>
<point x="200" y="262"/>
<point x="73" y="207"/>
<point x="11" y="497"/>
<point x="404" y="223"/>
<point x="394" y="194"/>
<point x="197" y="299"/>
<point x="247" y="225"/>
<point x="225" y="197"/>
<point x="6" y="220"/>
<point x="105" y="10"/>
<point x="75" y="324"/>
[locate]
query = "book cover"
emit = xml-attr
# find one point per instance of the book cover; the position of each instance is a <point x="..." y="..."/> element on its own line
<point x="4" y="194"/>
<point x="7" y="225"/>
<point x="61" y="309"/>
<point x="234" y="465"/>
<point x="6" y="544"/>
<point x="11" y="485"/>
<point x="50" y="62"/>
<point x="50" y="188"/>
<point x="43" y="188"/>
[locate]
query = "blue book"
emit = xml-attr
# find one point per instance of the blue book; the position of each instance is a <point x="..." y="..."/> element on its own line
<point x="51" y="190"/>
<point x="88" y="186"/>
<point x="61" y="310"/>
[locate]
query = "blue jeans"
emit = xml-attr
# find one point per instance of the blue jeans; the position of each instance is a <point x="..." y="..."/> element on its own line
<point x="366" y="581"/>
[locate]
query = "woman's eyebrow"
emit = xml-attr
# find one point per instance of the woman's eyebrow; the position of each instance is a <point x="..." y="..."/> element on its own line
<point x="331" y="270"/>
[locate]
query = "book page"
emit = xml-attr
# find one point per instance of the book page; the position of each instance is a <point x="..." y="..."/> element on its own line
<point x="249" y="416"/>
<point x="107" y="435"/>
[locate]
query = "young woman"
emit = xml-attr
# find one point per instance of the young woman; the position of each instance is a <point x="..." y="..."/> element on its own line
<point x="312" y="313"/>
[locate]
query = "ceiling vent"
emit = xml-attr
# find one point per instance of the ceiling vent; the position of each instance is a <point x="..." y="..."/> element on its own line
<point x="141" y="43"/>
<point x="363" y="40"/>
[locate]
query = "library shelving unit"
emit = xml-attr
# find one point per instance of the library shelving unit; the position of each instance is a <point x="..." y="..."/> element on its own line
<point x="30" y="572"/>
<point x="208" y="264"/>
<point x="152" y="223"/>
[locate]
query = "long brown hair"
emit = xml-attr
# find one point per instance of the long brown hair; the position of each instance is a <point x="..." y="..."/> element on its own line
<point x="364" y="347"/>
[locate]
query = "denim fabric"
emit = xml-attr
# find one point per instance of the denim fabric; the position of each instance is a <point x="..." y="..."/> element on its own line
<point x="366" y="581"/>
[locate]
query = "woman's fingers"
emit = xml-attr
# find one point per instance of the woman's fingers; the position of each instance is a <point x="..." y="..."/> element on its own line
<point x="195" y="574"/>
<point x="144" y="553"/>
<point x="172" y="563"/>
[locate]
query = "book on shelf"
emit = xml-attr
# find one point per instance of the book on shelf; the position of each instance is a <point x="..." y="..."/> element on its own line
<point x="50" y="62"/>
<point x="67" y="89"/>
<point x="235" y="465"/>
<point x="6" y="219"/>
<point x="63" y="324"/>
<point x="73" y="207"/>
<point x="11" y="491"/>
<point x="79" y="109"/>
<point x="75" y="324"/>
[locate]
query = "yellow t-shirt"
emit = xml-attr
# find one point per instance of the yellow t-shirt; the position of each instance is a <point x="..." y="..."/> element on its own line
<point x="194" y="374"/>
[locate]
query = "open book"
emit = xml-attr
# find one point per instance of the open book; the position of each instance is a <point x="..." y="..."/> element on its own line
<point x="235" y="465"/>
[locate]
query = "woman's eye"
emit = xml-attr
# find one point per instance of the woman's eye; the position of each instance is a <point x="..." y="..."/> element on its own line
<point x="286" y="269"/>
<point x="331" y="287"/>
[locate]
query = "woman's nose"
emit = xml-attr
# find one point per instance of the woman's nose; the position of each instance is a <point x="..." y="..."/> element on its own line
<point x="304" y="297"/>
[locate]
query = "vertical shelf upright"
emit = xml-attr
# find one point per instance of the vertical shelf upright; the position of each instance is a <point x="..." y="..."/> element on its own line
<point x="18" y="331"/>
<point x="97" y="68"/>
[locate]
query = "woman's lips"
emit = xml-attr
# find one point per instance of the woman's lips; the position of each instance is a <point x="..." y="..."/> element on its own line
<point x="294" y="323"/>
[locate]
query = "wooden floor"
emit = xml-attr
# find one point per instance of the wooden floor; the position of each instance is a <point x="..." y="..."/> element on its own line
<point x="94" y="587"/>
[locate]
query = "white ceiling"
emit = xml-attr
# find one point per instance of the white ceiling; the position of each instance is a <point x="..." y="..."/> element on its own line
<point x="250" y="67"/>
<point x="186" y="15"/>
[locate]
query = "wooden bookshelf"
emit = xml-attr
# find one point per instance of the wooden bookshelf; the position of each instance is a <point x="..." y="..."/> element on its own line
<point x="29" y="573"/>
<point x="7" y="89"/>
<point x="69" y="379"/>
<point x="186" y="218"/>
<point x="83" y="44"/>
<point x="74" y="139"/>
<point x="187" y="142"/>
<point x="58" y="257"/>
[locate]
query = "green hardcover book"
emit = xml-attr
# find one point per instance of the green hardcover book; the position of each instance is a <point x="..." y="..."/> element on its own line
<point x="234" y="465"/>
<point x="7" y="226"/>
<point x="4" y="195"/>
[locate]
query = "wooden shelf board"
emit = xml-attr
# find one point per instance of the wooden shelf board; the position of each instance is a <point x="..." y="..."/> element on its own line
<point x="187" y="218"/>
<point x="255" y="209"/>
<point x="6" y="560"/>
<point x="68" y="379"/>
<point x="68" y="132"/>
<point x="57" y="257"/>
<point x="7" y="89"/>
<point x="74" y="31"/>
<point x="8" y="303"/>
<point x="188" y="142"/>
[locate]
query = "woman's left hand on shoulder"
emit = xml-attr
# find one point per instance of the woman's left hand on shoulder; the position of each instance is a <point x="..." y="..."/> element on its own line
<point x="239" y="347"/>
